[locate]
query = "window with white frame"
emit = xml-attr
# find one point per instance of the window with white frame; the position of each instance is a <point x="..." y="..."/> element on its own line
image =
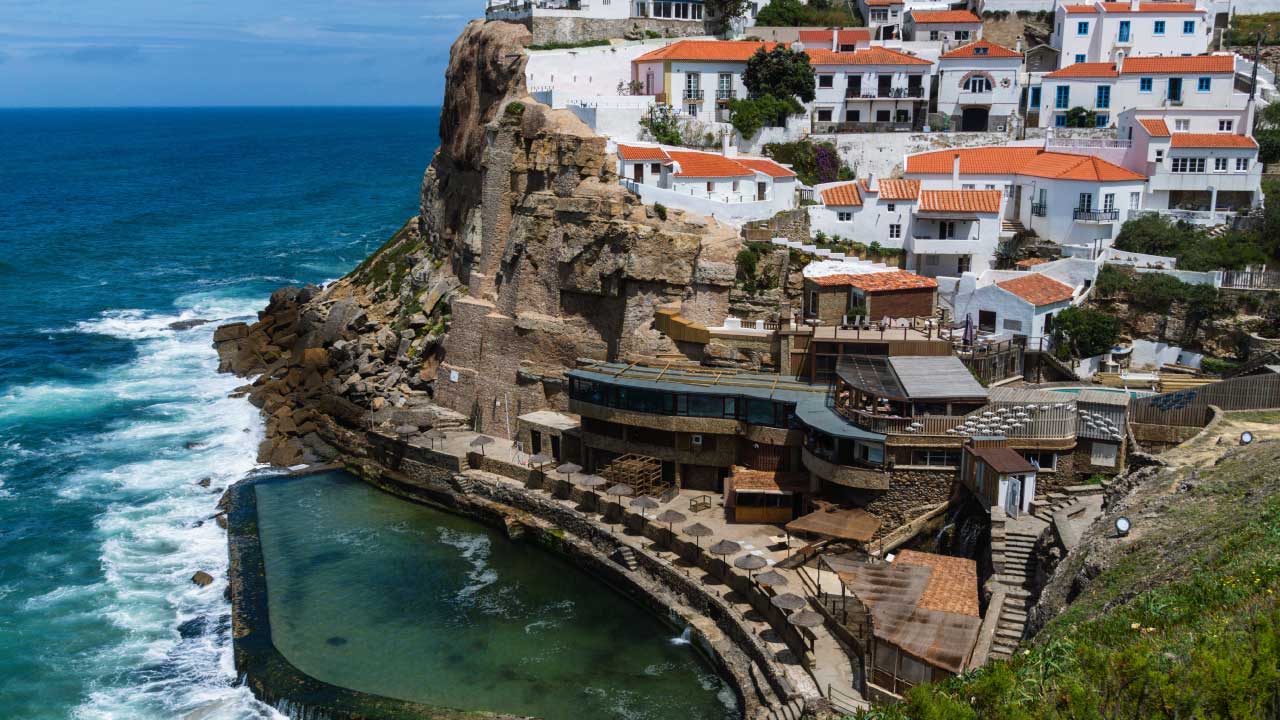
<point x="895" y="231"/>
<point x="1135" y="200"/>
<point x="1182" y="125"/>
<point x="891" y="207"/>
<point x="936" y="458"/>
<point x="1159" y="156"/>
<point x="1012" y="325"/>
<point x="1041" y="459"/>
<point x="1109" y="201"/>
<point x="1219" y="164"/>
<point x="1187" y="165"/>
<point x="1242" y="164"/>
<point x="1085" y="202"/>
<point x="843" y="216"/>
<point x="824" y="114"/>
<point x="978" y="84"/>
<point x="826" y="81"/>
<point x="962" y="35"/>
<point x="934" y="35"/>
<point x="1226" y="125"/>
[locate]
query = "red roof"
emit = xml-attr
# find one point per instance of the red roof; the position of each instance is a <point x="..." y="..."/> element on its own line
<point x="1156" y="127"/>
<point x="1037" y="289"/>
<point x="1086" y="70"/>
<point x="944" y="16"/>
<point x="1077" y="9"/>
<point x="1151" y="7"/>
<point x="846" y="36"/>
<point x="698" y="164"/>
<point x="953" y="582"/>
<point x="640" y="152"/>
<point x="1031" y="161"/>
<point x="981" y="50"/>
<point x="883" y="3"/>
<point x="976" y="201"/>
<point x="845" y="195"/>
<point x="888" y="281"/>
<point x="709" y="50"/>
<point x="865" y="56"/>
<point x="908" y="190"/>
<point x="1175" y="64"/>
<point x="1212" y="140"/>
<point x="766" y="166"/>
<point x="1031" y="262"/>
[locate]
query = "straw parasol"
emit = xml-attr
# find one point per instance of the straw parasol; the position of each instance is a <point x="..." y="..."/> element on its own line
<point x="788" y="601"/>
<point x="569" y="469"/>
<point x="772" y="578"/>
<point x="670" y="517"/>
<point x="725" y="547"/>
<point x="697" y="531"/>
<point x="591" y="481"/>
<point x="645" y="502"/>
<point x="433" y="435"/>
<point x="621" y="490"/>
<point x="480" y="441"/>
<point x="805" y="619"/>
<point x="540" y="459"/>
<point x="750" y="563"/>
<point x="406" y="429"/>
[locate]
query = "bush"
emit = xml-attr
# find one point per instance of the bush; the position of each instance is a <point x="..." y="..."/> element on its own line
<point x="1157" y="291"/>
<point x="569" y="45"/>
<point x="812" y="162"/>
<point x="661" y="123"/>
<point x="1112" y="281"/>
<point x="660" y="210"/>
<point x="749" y="115"/>
<point x="1218" y="366"/>
<point x="747" y="261"/>
<point x="818" y="13"/>
<point x="1078" y="117"/>
<point x="1085" y="332"/>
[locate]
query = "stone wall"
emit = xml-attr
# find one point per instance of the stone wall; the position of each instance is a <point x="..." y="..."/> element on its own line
<point x="581" y="29"/>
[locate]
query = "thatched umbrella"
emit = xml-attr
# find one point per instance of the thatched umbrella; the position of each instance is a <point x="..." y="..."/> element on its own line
<point x="569" y="469"/>
<point x="725" y="548"/>
<point x="406" y="429"/>
<point x="480" y="442"/>
<point x="806" y="619"/>
<point x="750" y="563"/>
<point x="620" y="491"/>
<point x="433" y="435"/>
<point x="789" y="601"/>
<point x="670" y="517"/>
<point x="697" y="531"/>
<point x="772" y="578"/>
<point x="644" y="502"/>
<point x="592" y="481"/>
<point x="539" y="460"/>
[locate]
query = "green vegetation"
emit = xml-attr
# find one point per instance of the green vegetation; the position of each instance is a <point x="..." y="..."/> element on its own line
<point x="748" y="115"/>
<point x="1078" y="117"/>
<point x="661" y="122"/>
<point x="835" y="243"/>
<point x="569" y="45"/>
<point x="1158" y="293"/>
<point x="1197" y="250"/>
<point x="818" y="13"/>
<point x="748" y="262"/>
<point x="812" y="162"/>
<point x="386" y="268"/>
<point x="724" y="10"/>
<point x="1218" y="366"/>
<point x="660" y="210"/>
<point x="514" y="111"/>
<point x="1185" y="623"/>
<point x="1246" y="29"/>
<point x="777" y="81"/>
<point x="1083" y="332"/>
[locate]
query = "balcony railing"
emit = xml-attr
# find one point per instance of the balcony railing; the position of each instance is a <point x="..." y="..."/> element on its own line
<point x="690" y="94"/>
<point x="1040" y="209"/>
<point x="1089" y="215"/>
<point x="885" y="93"/>
<point x="726" y="94"/>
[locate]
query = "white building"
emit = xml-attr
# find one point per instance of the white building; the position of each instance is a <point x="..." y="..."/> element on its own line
<point x="1156" y="84"/>
<point x="884" y="17"/>
<point x="1076" y="201"/>
<point x="542" y="14"/>
<point x="947" y="26"/>
<point x="732" y="189"/>
<point x="1198" y="176"/>
<point x="1103" y="31"/>
<point x="873" y="89"/>
<point x="978" y="88"/>
<point x="1017" y="303"/>
<point x="698" y="77"/>
<point x="866" y="211"/>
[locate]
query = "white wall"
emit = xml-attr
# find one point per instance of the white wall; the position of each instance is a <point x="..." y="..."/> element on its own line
<point x="589" y="71"/>
<point x="616" y="118"/>
<point x="1100" y="42"/>
<point x="708" y="74"/>
<point x="1127" y="94"/>
<point x="1147" y="354"/>
<point x="1002" y="100"/>
<point x="870" y="221"/>
<point x="732" y="213"/>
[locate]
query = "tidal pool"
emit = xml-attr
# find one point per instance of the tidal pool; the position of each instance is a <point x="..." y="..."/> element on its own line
<point x="380" y="595"/>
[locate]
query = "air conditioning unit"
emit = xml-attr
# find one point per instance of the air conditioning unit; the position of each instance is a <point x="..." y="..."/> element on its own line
<point x="695" y="441"/>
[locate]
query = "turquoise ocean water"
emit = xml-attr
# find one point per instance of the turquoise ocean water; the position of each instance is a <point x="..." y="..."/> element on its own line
<point x="114" y="224"/>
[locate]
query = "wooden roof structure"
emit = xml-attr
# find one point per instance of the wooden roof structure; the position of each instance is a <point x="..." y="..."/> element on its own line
<point x="853" y="524"/>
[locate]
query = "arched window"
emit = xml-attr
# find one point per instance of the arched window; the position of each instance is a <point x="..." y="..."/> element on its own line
<point x="978" y="84"/>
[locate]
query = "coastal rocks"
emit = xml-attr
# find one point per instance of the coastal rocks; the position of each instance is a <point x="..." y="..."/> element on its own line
<point x="187" y="324"/>
<point x="202" y="578"/>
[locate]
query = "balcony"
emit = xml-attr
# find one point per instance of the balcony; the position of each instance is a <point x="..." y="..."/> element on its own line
<point x="1096" y="216"/>
<point x="726" y="95"/>
<point x="898" y="93"/>
<point x="1040" y="209"/>
<point x="853" y="477"/>
<point x="693" y="94"/>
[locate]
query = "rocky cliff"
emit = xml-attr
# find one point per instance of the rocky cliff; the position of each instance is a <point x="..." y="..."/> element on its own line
<point x="527" y="254"/>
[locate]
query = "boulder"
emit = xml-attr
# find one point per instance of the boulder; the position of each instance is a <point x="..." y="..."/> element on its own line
<point x="202" y="578"/>
<point x="233" y="331"/>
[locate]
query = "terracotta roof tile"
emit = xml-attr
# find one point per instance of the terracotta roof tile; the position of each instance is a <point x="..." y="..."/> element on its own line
<point x="1156" y="127"/>
<point x="1031" y="161"/>
<point x="1031" y="262"/>
<point x="1037" y="289"/>
<point x="953" y="582"/>
<point x="865" y="56"/>
<point x="944" y="16"/>
<point x="888" y="281"/>
<point x="640" y="152"/>
<point x="772" y="481"/>
<point x="845" y="195"/>
<point x="895" y="189"/>
<point x="1078" y="9"/>
<point x="884" y="3"/>
<point x="1175" y="64"/>
<point x="766" y="166"/>
<point x="709" y="50"/>
<point x="699" y="164"/>
<point x="1086" y="70"/>
<point x="977" y="201"/>
<point x="981" y="50"/>
<point x="1212" y="140"/>
<point x="847" y="36"/>
<point x="1151" y="7"/>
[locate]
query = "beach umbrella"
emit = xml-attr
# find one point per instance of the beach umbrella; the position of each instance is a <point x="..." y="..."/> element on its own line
<point x="540" y="459"/>
<point x="772" y="578"/>
<point x="697" y="531"/>
<point x="725" y="547"/>
<point x="805" y="619"/>
<point x="750" y="563"/>
<point x="670" y="517"/>
<point x="433" y="435"/>
<point x="406" y="429"/>
<point x="591" y="481"/>
<point x="621" y="490"/>
<point x="645" y="502"/>
<point x="569" y="469"/>
<point x="480" y="442"/>
<point x="788" y="601"/>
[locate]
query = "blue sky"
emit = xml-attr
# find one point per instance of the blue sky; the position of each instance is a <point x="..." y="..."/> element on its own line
<point x="226" y="52"/>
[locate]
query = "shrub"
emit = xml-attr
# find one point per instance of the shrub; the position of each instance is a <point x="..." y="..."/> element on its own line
<point x="660" y="210"/>
<point x="749" y="115"/>
<point x="1085" y="332"/>
<point x="1157" y="291"/>
<point x="661" y="123"/>
<point x="1111" y="281"/>
<point x="1078" y="117"/>
<point x="780" y="72"/>
<point x="514" y="111"/>
<point x="747" y="261"/>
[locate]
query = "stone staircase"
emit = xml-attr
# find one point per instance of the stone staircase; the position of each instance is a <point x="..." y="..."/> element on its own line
<point x="1011" y="227"/>
<point x="792" y="710"/>
<point x="625" y="557"/>
<point x="464" y="483"/>
<point x="1012" y="623"/>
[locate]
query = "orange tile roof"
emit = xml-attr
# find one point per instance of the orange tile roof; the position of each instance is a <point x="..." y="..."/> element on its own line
<point x="1212" y="140"/>
<point x="699" y="164"/>
<point x="708" y="50"/>
<point x="976" y="201"/>
<point x="1156" y="127"/>
<point x="944" y="16"/>
<point x="1151" y="7"/>
<point x="1031" y="161"/>
<point x="845" y="195"/>
<point x="888" y="281"/>
<point x="1077" y="9"/>
<point x="766" y="166"/>
<point x="1086" y="70"/>
<point x="895" y="189"/>
<point x="1175" y="64"/>
<point x="883" y="3"/>
<point x="846" y="36"/>
<point x="638" y="152"/>
<point x="1037" y="289"/>
<point x="865" y="56"/>
<point x="1031" y="262"/>
<point x="991" y="49"/>
<point x="953" y="582"/>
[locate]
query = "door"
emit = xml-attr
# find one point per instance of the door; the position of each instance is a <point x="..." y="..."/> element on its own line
<point x="1013" y="496"/>
<point x="1124" y="31"/>
<point x="854" y="88"/>
<point x="915" y="87"/>
<point x="1175" y="90"/>
<point x="1017" y="203"/>
<point x="975" y="119"/>
<point x="555" y="447"/>
<point x="884" y="85"/>
<point x="535" y="442"/>
<point x="761" y="191"/>
<point x="637" y="172"/>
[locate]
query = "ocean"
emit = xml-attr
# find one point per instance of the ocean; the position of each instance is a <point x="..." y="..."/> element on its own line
<point x="116" y="433"/>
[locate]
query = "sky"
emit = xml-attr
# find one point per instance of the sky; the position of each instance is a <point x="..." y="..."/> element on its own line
<point x="130" y="53"/>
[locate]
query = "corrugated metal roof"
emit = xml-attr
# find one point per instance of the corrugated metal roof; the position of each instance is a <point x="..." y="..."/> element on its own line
<point x="926" y="378"/>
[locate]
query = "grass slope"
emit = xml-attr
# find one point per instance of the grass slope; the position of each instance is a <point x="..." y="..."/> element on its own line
<point x="1183" y="623"/>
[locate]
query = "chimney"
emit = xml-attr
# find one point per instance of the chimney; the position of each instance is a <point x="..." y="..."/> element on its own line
<point x="727" y="148"/>
<point x="1119" y="61"/>
<point x="955" y="172"/>
<point x="1135" y="5"/>
<point x="1018" y="46"/>
<point x="871" y="183"/>
<point x="835" y="39"/>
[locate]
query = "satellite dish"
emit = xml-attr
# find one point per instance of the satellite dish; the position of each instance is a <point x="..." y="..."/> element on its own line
<point x="1122" y="526"/>
<point x="1246" y="437"/>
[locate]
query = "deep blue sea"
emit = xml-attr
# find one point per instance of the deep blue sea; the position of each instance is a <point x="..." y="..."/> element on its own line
<point x="114" y="224"/>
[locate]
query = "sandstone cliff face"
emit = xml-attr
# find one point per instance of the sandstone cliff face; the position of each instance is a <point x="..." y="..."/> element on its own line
<point x="527" y="254"/>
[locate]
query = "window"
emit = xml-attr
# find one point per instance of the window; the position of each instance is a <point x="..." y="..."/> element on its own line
<point x="883" y="116"/>
<point x="1080" y="57"/>
<point x="1135" y="200"/>
<point x="1159" y="28"/>
<point x="963" y="263"/>
<point x="1012" y="325"/>
<point x="826" y="81"/>
<point x="1182" y="125"/>
<point x="1103" y="100"/>
<point x="1124" y="31"/>
<point x="724" y="86"/>
<point x="1219" y="164"/>
<point x="1188" y="27"/>
<point x="946" y="229"/>
<point x="711" y="186"/>
<point x="1226" y="125"/>
<point x="1060" y="121"/>
<point x="844" y="216"/>
<point x="1109" y="201"/>
<point x="1082" y="28"/>
<point x="735" y="186"/>
<point x="1175" y="90"/>
<point x="895" y="232"/>
<point x="962" y="35"/>
<point x="655" y="168"/>
<point x="1042" y="460"/>
<point x="1146" y="84"/>
<point x="1187" y="165"/>
<point x="1086" y="201"/>
<point x="824" y="114"/>
<point x="891" y="207"/>
<point x="1101" y="120"/>
<point x="1204" y="84"/>
<point x="691" y="109"/>
<point x="933" y="35"/>
<point x="1159" y="156"/>
<point x="980" y="51"/>
<point x="902" y="116"/>
<point x="936" y="458"/>
<point x="1062" y="100"/>
<point x="1242" y="164"/>
<point x="1035" y="97"/>
<point x="968" y="186"/>
<point x="978" y="84"/>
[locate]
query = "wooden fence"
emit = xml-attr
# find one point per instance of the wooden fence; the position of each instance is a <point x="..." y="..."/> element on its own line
<point x="1190" y="408"/>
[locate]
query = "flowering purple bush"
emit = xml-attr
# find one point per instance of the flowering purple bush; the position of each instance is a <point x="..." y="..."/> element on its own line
<point x="827" y="163"/>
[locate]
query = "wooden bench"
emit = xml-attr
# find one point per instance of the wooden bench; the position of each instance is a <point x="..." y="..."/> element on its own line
<point x="698" y="503"/>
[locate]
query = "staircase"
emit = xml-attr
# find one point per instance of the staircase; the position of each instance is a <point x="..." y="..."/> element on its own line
<point x="1011" y="227"/>
<point x="625" y="557"/>
<point x="464" y="483"/>
<point x="1017" y="580"/>
<point x="1012" y="623"/>
<point x="792" y="710"/>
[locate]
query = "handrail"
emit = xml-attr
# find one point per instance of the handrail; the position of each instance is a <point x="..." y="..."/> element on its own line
<point x="1096" y="215"/>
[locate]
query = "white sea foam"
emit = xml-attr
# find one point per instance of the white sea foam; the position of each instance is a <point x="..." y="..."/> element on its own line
<point x="474" y="548"/>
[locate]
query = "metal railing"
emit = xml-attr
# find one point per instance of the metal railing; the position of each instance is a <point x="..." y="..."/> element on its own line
<point x="1040" y="209"/>
<point x="883" y="93"/>
<point x="690" y="94"/>
<point x="1090" y="215"/>
<point x="726" y="94"/>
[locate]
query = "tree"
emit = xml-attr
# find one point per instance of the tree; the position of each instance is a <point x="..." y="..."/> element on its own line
<point x="661" y="123"/>
<point x="1078" y="117"/>
<point x="780" y="72"/>
<point x="1085" y="332"/>
<point x="751" y="114"/>
<point x="1152" y="235"/>
<point x="725" y="10"/>
<point x="793" y="13"/>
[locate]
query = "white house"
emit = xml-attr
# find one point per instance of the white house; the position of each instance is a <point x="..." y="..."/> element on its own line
<point x="1077" y="201"/>
<point x="1103" y="31"/>
<point x="873" y="89"/>
<point x="543" y="15"/>
<point x="883" y="17"/>
<point x="835" y="39"/>
<point x="732" y="189"/>
<point x="1018" y="303"/>
<point x="1165" y="84"/>
<point x="947" y="26"/>
<point x="978" y="88"/>
<point x="698" y="77"/>
<point x="1195" y="176"/>
<point x="866" y="211"/>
